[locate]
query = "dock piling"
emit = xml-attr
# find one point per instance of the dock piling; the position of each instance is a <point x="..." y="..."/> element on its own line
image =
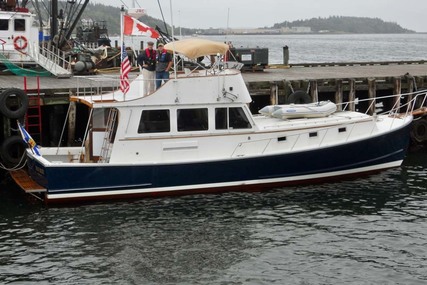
<point x="314" y="91"/>
<point x="372" y="90"/>
<point x="72" y="123"/>
<point x="411" y="87"/>
<point x="397" y="90"/>
<point x="339" y="93"/>
<point x="274" y="94"/>
<point x="286" y="55"/>
<point x="352" y="94"/>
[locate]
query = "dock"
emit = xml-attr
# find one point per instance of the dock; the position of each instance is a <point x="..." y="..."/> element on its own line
<point x="335" y="82"/>
<point x="300" y="72"/>
<point x="275" y="73"/>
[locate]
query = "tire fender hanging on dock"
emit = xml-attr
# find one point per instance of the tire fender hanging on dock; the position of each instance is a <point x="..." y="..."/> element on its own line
<point x="12" y="150"/>
<point x="419" y="130"/>
<point x="13" y="103"/>
<point x="299" y="97"/>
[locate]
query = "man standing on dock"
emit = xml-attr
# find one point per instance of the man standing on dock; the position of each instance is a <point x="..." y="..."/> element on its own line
<point x="163" y="65"/>
<point x="147" y="61"/>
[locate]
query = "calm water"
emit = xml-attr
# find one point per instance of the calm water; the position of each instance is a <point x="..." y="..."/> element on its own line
<point x="336" y="48"/>
<point x="328" y="48"/>
<point x="366" y="231"/>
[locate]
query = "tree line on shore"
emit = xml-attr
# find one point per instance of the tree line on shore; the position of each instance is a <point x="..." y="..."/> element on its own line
<point x="352" y="25"/>
<point x="334" y="24"/>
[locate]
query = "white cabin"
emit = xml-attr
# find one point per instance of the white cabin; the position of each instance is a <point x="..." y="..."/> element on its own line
<point x="18" y="31"/>
<point x="201" y="116"/>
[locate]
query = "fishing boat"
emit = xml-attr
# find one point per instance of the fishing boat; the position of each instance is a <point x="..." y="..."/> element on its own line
<point x="41" y="44"/>
<point x="196" y="134"/>
<point x="18" y="29"/>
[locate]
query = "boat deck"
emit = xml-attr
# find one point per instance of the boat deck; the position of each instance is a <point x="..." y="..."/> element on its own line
<point x="23" y="180"/>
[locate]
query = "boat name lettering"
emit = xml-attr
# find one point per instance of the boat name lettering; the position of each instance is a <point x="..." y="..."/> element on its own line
<point x="39" y="170"/>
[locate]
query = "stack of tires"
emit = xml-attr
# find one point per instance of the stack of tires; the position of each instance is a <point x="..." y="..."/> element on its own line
<point x="13" y="106"/>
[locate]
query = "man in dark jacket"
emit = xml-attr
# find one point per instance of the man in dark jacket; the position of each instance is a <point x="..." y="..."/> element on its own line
<point x="147" y="61"/>
<point x="163" y="65"/>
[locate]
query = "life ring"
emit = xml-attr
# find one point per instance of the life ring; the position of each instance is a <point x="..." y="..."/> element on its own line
<point x="20" y="42"/>
<point x="419" y="130"/>
<point x="13" y="103"/>
<point x="12" y="150"/>
<point x="299" y="97"/>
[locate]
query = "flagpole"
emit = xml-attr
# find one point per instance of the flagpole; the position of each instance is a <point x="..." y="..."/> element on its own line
<point x="122" y="43"/>
<point x="173" y="40"/>
<point x="122" y="13"/>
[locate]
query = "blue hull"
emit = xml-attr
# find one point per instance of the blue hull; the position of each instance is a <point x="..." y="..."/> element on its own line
<point x="88" y="181"/>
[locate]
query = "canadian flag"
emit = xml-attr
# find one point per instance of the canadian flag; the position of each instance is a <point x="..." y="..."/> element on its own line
<point x="133" y="27"/>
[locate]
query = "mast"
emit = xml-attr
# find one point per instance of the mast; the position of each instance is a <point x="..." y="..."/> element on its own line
<point x="54" y="18"/>
<point x="228" y="24"/>
<point x="75" y="22"/>
<point x="173" y="40"/>
<point x="122" y="13"/>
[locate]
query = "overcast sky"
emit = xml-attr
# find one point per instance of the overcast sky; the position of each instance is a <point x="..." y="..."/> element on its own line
<point x="410" y="14"/>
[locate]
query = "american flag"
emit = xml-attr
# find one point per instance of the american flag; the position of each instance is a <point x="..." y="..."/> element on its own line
<point x="124" y="71"/>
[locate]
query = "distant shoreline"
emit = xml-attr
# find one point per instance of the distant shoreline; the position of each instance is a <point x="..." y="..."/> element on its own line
<point x="289" y="34"/>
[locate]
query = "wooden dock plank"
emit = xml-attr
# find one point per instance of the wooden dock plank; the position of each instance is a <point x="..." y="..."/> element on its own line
<point x="278" y="74"/>
<point x="23" y="180"/>
<point x="336" y="72"/>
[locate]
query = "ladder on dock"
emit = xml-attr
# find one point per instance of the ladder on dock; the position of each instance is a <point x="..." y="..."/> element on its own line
<point x="33" y="116"/>
<point x="104" y="157"/>
<point x="52" y="59"/>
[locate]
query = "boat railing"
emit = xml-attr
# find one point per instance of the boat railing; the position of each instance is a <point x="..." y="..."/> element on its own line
<point x="411" y="102"/>
<point x="51" y="58"/>
<point x="197" y="68"/>
<point x="87" y="87"/>
<point x="322" y="135"/>
<point x="106" y="88"/>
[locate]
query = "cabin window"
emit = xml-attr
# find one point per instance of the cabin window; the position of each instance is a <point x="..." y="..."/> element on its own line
<point x="99" y="118"/>
<point x="221" y="119"/>
<point x="233" y="118"/>
<point x="342" y="130"/>
<point x="192" y="120"/>
<point x="19" y="24"/>
<point x="154" y="121"/>
<point x="238" y="119"/>
<point x="4" y="25"/>
<point x="281" y="139"/>
<point x="312" y="135"/>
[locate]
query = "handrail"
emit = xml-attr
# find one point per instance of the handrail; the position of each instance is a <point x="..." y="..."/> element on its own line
<point x="51" y="58"/>
<point x="346" y="104"/>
